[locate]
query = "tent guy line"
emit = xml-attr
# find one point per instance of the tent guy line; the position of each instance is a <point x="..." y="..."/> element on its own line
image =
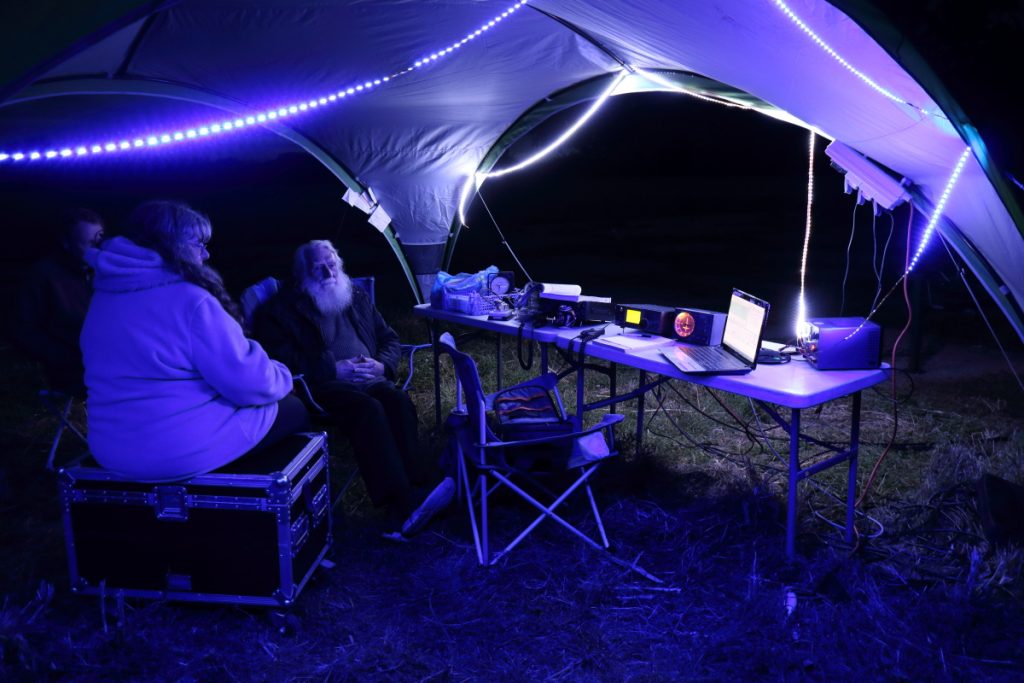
<point x="205" y="130"/>
<point x="476" y="180"/>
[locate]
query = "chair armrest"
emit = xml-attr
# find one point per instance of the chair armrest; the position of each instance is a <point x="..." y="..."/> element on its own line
<point x="606" y="422"/>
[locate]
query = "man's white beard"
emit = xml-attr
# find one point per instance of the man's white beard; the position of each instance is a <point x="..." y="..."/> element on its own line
<point x="332" y="297"/>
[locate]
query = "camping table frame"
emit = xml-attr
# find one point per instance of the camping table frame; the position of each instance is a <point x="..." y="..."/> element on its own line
<point x="795" y="386"/>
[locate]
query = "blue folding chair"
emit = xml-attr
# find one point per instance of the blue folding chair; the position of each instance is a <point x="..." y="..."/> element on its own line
<point x="368" y="285"/>
<point x="532" y="434"/>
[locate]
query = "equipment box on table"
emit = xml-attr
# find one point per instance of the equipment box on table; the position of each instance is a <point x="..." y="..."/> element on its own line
<point x="250" y="533"/>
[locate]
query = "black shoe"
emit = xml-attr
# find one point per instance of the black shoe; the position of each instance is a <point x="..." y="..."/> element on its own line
<point x="438" y="500"/>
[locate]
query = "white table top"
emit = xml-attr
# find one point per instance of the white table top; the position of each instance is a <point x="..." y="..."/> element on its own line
<point x="794" y="385"/>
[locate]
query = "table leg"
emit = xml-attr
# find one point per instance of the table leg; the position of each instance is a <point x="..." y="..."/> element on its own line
<point x="851" y="484"/>
<point x="581" y="399"/>
<point x="437" y="375"/>
<point x="612" y="374"/>
<point x="499" y="360"/>
<point x="794" y="479"/>
<point x="640" y="413"/>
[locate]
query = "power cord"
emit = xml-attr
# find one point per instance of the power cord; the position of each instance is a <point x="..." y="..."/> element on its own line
<point x="892" y="363"/>
<point x="821" y="488"/>
<point x="849" y="245"/>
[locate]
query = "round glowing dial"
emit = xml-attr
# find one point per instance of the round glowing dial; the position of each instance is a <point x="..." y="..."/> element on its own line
<point x="685" y="324"/>
<point x="500" y="285"/>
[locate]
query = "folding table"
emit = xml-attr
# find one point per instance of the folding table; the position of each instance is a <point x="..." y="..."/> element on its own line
<point x="795" y="385"/>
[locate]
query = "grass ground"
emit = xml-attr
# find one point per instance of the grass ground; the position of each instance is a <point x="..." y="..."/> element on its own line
<point x="923" y="595"/>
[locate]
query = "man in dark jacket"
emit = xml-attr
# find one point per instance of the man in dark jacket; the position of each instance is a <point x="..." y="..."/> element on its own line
<point x="329" y="331"/>
<point x="51" y="304"/>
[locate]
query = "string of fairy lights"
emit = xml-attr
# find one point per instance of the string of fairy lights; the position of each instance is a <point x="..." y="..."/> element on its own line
<point x="801" y="306"/>
<point x="476" y="180"/>
<point x="473" y="183"/>
<point x="925" y="238"/>
<point x="801" y="324"/>
<point x="126" y="143"/>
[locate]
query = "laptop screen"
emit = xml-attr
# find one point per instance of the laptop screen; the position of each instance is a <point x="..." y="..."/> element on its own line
<point x="745" y="324"/>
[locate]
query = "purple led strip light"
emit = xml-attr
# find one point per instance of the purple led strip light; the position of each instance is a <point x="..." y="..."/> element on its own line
<point x="231" y="125"/>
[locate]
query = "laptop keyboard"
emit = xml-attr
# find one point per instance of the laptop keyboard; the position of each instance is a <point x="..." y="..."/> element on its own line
<point x="681" y="360"/>
<point x="703" y="355"/>
<point x="701" y="358"/>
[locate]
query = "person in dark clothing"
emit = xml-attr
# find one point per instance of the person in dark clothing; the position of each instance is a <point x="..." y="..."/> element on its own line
<point x="51" y="304"/>
<point x="329" y="331"/>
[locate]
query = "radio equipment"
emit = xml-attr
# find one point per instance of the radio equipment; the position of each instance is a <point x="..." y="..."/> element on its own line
<point x="838" y="344"/>
<point x="575" y="313"/>
<point x="596" y="311"/>
<point x="649" y="318"/>
<point x="699" y="327"/>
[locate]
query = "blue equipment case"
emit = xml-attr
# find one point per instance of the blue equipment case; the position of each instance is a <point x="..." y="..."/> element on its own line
<point x="251" y="533"/>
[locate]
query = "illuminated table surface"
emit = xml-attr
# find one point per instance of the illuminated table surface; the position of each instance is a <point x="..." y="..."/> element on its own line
<point x="794" y="385"/>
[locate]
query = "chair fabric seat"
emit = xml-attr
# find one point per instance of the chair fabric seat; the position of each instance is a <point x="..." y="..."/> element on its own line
<point x="504" y="439"/>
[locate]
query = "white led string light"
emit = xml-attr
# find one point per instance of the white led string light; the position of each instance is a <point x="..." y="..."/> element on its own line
<point x="801" y="314"/>
<point x="665" y="83"/>
<point x="835" y="55"/>
<point x="926" y="237"/>
<point x="939" y="207"/>
<point x="476" y="180"/>
<point x="934" y="221"/>
<point x="240" y="122"/>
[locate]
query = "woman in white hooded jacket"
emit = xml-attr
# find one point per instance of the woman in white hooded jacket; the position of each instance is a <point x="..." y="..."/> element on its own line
<point x="175" y="388"/>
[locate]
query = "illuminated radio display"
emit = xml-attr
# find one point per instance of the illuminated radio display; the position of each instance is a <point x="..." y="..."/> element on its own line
<point x="649" y="318"/>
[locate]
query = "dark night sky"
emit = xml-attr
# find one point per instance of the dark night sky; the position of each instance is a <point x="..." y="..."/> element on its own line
<point x="651" y="202"/>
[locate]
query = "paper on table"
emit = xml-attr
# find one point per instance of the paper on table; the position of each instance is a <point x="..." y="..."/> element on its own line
<point x="550" y="290"/>
<point x="632" y="342"/>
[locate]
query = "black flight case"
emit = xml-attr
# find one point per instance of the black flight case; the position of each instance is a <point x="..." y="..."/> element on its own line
<point x="251" y="533"/>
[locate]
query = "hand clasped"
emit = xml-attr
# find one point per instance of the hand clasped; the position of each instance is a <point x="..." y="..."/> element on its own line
<point x="359" y="370"/>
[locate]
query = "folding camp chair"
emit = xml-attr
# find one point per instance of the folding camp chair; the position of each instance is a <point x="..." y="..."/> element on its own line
<point x="59" y="404"/>
<point x="256" y="295"/>
<point x="368" y="284"/>
<point x="533" y="433"/>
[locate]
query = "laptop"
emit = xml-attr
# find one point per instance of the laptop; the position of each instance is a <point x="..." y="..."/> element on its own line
<point x="741" y="340"/>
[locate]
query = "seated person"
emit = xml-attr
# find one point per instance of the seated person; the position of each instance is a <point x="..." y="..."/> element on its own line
<point x="330" y="331"/>
<point x="175" y="389"/>
<point x="51" y="304"/>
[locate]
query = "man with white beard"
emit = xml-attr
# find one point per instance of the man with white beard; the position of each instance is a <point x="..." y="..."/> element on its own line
<point x="330" y="331"/>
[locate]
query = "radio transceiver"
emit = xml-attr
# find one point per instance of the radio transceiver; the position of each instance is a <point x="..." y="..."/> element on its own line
<point x="697" y="326"/>
<point x="649" y="318"/>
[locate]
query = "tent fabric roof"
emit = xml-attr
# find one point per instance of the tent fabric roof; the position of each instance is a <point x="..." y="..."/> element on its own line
<point x="416" y="139"/>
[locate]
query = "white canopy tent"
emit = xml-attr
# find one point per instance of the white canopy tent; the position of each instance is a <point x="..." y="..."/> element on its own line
<point x="407" y="102"/>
